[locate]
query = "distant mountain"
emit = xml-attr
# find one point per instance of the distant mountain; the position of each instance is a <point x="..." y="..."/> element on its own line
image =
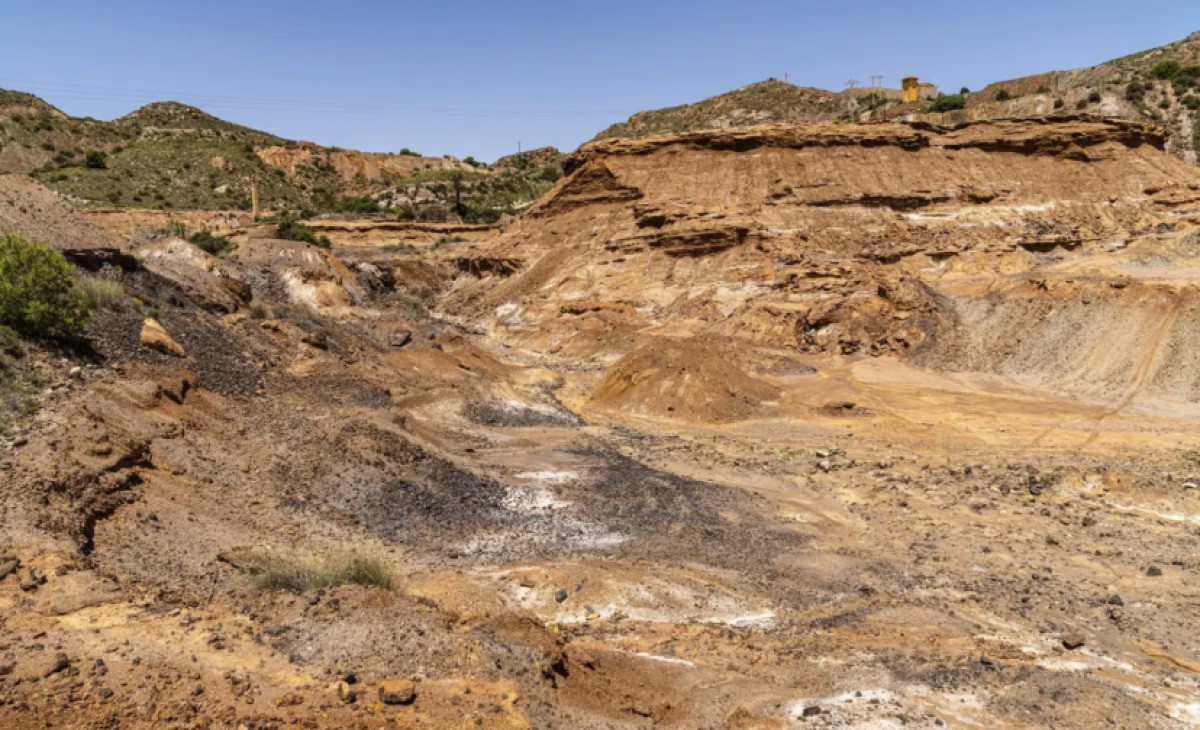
<point x="172" y="156"/>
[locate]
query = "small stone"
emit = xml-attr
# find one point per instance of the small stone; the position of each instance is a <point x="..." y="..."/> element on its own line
<point x="1154" y="571"/>
<point x="1073" y="641"/>
<point x="397" y="692"/>
<point x="8" y="566"/>
<point x="560" y="595"/>
<point x="289" y="699"/>
<point x="1115" y="600"/>
<point x="345" y="692"/>
<point x="32" y="579"/>
<point x="48" y="666"/>
<point x="399" y="338"/>
<point x="811" y="711"/>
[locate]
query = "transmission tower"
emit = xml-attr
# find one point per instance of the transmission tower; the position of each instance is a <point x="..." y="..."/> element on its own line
<point x="851" y="83"/>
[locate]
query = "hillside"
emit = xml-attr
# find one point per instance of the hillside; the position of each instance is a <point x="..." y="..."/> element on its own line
<point x="1161" y="85"/>
<point x="174" y="157"/>
<point x="758" y="103"/>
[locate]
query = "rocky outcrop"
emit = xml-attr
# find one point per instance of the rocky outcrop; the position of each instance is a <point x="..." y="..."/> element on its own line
<point x="823" y="237"/>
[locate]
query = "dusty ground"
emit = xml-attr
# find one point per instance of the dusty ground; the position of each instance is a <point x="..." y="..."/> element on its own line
<point x="623" y="488"/>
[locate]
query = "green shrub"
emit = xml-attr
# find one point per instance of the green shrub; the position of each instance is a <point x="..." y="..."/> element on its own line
<point x="38" y="296"/>
<point x="210" y="243"/>
<point x="1059" y="103"/>
<point x="1135" y="92"/>
<point x="1081" y="104"/>
<point x="291" y="229"/>
<point x="948" y="102"/>
<point x="1094" y="97"/>
<point x="279" y="572"/>
<point x="1191" y="101"/>
<point x="410" y="153"/>
<point x="358" y="205"/>
<point x="1043" y="90"/>
<point x="964" y="91"/>
<point x="1165" y="70"/>
<point x="1003" y="95"/>
<point x="96" y="160"/>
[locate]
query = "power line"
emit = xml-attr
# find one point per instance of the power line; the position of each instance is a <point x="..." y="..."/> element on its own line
<point x="107" y="93"/>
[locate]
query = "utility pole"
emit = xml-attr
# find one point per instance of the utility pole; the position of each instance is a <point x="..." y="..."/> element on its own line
<point x="254" y="197"/>
<point x="787" y="77"/>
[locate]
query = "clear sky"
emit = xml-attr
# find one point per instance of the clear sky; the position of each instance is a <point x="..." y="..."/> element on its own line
<point x="479" y="77"/>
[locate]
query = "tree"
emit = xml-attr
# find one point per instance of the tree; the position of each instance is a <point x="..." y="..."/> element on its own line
<point x="38" y="296"/>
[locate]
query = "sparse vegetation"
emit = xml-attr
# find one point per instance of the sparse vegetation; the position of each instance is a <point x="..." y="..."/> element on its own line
<point x="291" y="229"/>
<point x="947" y="102"/>
<point x="210" y="243"/>
<point x="1135" y="91"/>
<point x="1003" y="95"/>
<point x="272" y="571"/>
<point x="38" y="293"/>
<point x="103" y="291"/>
<point x="358" y="205"/>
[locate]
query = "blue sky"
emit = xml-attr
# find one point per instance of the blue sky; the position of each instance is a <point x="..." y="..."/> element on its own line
<point x="477" y="78"/>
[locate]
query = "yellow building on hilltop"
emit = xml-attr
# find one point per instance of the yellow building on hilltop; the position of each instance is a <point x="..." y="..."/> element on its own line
<point x="913" y="90"/>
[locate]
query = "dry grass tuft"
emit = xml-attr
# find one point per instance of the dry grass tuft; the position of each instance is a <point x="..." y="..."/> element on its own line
<point x="272" y="571"/>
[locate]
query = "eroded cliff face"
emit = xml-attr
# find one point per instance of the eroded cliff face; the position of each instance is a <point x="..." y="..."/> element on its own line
<point x="827" y="238"/>
<point x="351" y="165"/>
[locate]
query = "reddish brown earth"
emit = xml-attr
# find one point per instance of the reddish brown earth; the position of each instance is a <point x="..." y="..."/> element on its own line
<point x="793" y="426"/>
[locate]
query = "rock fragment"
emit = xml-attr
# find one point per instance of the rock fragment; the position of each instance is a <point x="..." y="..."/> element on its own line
<point x="156" y="337"/>
<point x="397" y="691"/>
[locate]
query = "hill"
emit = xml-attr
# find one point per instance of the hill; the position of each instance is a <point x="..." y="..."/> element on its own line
<point x="171" y="156"/>
<point x="1161" y="85"/>
<point x="758" y="103"/>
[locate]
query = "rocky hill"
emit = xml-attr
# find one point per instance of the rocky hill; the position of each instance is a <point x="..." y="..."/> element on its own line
<point x="175" y="157"/>
<point x="758" y="103"/>
<point x="1161" y="85"/>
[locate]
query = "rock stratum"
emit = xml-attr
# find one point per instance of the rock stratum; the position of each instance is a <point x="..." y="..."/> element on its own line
<point x="831" y="425"/>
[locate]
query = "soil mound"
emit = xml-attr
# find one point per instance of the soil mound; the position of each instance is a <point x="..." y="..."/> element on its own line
<point x="683" y="379"/>
<point x="31" y="209"/>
